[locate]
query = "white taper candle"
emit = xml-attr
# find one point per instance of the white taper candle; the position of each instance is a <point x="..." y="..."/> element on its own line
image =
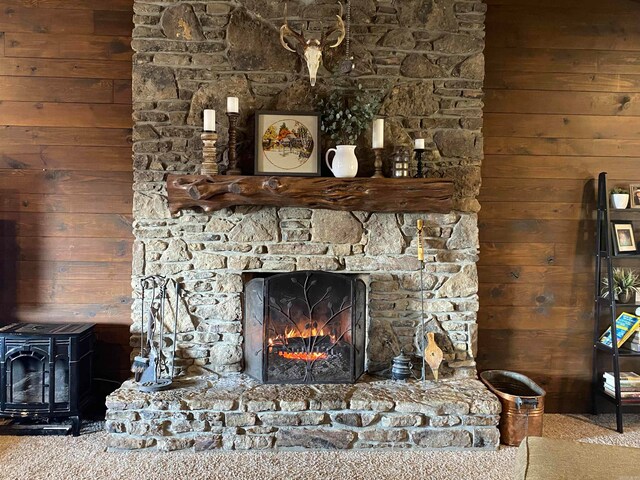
<point x="378" y="133"/>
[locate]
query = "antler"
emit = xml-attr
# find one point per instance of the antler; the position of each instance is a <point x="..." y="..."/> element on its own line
<point x="285" y="30"/>
<point x="339" y="26"/>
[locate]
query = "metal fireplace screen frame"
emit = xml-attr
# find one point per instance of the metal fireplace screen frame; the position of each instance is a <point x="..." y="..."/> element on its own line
<point x="305" y="327"/>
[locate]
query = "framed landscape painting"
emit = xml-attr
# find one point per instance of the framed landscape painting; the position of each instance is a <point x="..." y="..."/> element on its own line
<point x="287" y="143"/>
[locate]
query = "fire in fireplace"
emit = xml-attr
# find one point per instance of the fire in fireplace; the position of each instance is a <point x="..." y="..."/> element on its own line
<point x="305" y="327"/>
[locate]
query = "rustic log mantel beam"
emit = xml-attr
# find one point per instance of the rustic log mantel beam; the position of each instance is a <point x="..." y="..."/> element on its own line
<point x="367" y="194"/>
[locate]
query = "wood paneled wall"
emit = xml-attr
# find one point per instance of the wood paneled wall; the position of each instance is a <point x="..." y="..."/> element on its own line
<point x="65" y="167"/>
<point x="562" y="104"/>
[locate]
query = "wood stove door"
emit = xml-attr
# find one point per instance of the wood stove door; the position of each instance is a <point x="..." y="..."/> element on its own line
<point x="27" y="379"/>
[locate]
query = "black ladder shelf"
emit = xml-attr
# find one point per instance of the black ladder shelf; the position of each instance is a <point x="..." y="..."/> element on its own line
<point x="607" y="307"/>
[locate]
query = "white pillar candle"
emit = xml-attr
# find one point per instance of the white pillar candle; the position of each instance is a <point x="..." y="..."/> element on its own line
<point x="209" y="120"/>
<point x="378" y="133"/>
<point x="233" y="105"/>
<point x="419" y="144"/>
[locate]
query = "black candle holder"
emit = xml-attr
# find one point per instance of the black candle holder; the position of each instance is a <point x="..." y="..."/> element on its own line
<point x="233" y="158"/>
<point x="377" y="163"/>
<point x="418" y="154"/>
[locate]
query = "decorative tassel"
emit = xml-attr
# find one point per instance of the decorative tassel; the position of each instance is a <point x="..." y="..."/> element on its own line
<point x="433" y="355"/>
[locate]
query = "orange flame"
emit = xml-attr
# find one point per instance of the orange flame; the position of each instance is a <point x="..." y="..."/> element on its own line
<point x="306" y="356"/>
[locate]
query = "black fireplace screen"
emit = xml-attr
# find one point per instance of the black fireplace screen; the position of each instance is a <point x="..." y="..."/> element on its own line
<point x="305" y="327"/>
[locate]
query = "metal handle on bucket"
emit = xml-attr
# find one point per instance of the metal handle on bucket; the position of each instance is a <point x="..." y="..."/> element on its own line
<point x="528" y="402"/>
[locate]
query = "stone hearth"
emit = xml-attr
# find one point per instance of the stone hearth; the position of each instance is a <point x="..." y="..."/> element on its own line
<point x="236" y="413"/>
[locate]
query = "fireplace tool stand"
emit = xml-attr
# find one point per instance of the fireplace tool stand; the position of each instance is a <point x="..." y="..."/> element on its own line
<point x="151" y="367"/>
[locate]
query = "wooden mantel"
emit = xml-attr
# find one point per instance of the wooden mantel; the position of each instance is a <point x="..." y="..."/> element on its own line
<point x="367" y="194"/>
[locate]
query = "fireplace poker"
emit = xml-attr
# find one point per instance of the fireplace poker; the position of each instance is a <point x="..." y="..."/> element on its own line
<point x="420" y="225"/>
<point x="175" y="329"/>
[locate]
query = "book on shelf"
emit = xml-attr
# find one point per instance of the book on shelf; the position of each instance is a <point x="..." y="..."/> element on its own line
<point x="627" y="378"/>
<point x="626" y="325"/>
<point x="612" y="393"/>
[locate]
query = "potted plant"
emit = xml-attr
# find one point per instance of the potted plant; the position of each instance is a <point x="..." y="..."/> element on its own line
<point x="344" y="115"/>
<point x="626" y="282"/>
<point x="619" y="197"/>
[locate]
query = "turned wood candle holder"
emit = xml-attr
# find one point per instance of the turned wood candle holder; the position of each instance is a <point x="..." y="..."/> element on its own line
<point x="209" y="161"/>
<point x="233" y="158"/>
<point x="378" y="163"/>
<point x="418" y="153"/>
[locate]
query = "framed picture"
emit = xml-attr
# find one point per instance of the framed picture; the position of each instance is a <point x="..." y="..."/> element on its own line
<point x="287" y="143"/>
<point x="624" y="240"/>
<point x="634" y="194"/>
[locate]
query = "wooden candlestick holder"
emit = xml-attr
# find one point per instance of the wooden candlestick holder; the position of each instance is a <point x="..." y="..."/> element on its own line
<point x="233" y="158"/>
<point x="377" y="163"/>
<point x="209" y="157"/>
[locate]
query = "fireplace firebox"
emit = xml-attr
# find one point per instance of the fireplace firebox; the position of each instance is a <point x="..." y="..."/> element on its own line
<point x="45" y="370"/>
<point x="305" y="327"/>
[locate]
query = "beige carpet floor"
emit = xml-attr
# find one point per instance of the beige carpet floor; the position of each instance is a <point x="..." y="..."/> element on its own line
<point x="84" y="457"/>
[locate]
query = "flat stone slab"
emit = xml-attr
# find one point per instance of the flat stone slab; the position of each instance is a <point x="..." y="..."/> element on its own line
<point x="236" y="412"/>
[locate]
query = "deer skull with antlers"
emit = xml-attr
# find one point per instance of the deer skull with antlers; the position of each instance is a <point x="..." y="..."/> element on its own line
<point x="311" y="50"/>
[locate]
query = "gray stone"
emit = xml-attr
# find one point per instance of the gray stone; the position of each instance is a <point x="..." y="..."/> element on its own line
<point x="225" y="354"/>
<point x="418" y="66"/>
<point x="486" y="438"/>
<point x="442" y="439"/>
<point x="208" y="261"/>
<point x="314" y="438"/>
<point x="243" y="419"/>
<point x="472" y="67"/>
<point x="384" y="435"/>
<point x="180" y="22"/>
<point x="431" y="15"/>
<point x="326" y="264"/>
<point x="383" y="345"/>
<point x="462" y="284"/>
<point x="350" y="419"/>
<point x="384" y="235"/>
<point x="153" y="83"/>
<point x="465" y="233"/>
<point x="335" y="227"/>
<point x="205" y="442"/>
<point x="253" y="442"/>
<point x="410" y="100"/>
<point x="264" y="55"/>
<point x="176" y="251"/>
<point x="401" y="420"/>
<point x="401" y="38"/>
<point x="458" y="143"/>
<point x="296" y="97"/>
<point x="458" y="44"/>
<point x="257" y="227"/>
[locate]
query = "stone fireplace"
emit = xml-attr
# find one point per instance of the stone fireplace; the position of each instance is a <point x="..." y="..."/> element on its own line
<point x="424" y="57"/>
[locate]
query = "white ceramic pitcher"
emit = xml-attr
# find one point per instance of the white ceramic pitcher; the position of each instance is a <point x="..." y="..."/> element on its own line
<point x="345" y="162"/>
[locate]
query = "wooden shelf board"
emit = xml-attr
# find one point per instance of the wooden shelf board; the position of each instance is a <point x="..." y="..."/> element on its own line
<point x="348" y="194"/>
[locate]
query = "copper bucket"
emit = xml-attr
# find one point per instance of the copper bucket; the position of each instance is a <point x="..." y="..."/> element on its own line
<point x="522" y="404"/>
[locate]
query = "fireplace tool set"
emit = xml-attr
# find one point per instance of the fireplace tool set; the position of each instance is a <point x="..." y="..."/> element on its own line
<point x="431" y="354"/>
<point x="153" y="368"/>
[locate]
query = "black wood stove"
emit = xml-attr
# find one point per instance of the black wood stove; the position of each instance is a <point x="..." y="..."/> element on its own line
<point x="45" y="371"/>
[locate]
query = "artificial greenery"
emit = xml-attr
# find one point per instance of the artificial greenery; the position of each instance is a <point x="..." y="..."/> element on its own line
<point x="619" y="190"/>
<point x="345" y="114"/>
<point x="624" y="280"/>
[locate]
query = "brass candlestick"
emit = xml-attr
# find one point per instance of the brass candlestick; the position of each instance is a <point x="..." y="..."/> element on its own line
<point x="233" y="158"/>
<point x="209" y="161"/>
<point x="418" y="152"/>
<point x="378" y="163"/>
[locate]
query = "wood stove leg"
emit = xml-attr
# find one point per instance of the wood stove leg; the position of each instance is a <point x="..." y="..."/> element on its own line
<point x="75" y="425"/>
